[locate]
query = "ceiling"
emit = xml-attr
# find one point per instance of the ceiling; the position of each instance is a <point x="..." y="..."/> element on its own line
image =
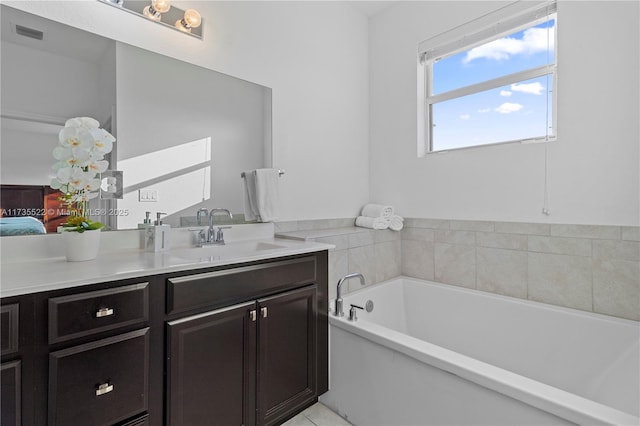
<point x="371" y="8"/>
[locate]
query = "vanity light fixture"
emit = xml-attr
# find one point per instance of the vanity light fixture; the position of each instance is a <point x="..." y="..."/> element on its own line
<point x="155" y="10"/>
<point x="191" y="19"/>
<point x="162" y="12"/>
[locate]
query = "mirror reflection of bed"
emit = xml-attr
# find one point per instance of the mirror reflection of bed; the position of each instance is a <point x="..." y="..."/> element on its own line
<point x="30" y="209"/>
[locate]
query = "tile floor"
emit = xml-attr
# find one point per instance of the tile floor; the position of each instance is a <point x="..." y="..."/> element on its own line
<point x="317" y="415"/>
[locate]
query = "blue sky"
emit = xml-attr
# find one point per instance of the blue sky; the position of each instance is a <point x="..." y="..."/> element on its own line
<point x="512" y="112"/>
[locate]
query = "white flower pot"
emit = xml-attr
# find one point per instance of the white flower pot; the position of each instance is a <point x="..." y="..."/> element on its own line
<point x="80" y="246"/>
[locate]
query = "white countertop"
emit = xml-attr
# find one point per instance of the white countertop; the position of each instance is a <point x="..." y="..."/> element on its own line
<point x="32" y="276"/>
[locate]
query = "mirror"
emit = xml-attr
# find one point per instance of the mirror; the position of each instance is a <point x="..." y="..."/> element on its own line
<point x="184" y="133"/>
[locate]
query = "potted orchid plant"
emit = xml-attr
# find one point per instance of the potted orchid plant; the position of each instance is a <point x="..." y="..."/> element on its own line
<point x="80" y="152"/>
<point x="82" y="145"/>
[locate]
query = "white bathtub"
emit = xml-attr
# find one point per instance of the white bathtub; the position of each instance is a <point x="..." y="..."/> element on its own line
<point x="432" y="354"/>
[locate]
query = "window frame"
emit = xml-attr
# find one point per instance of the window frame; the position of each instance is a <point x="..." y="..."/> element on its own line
<point x="508" y="22"/>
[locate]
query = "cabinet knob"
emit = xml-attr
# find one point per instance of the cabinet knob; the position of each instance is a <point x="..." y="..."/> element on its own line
<point x="263" y="311"/>
<point x="104" y="312"/>
<point x="104" y="388"/>
<point x="252" y="315"/>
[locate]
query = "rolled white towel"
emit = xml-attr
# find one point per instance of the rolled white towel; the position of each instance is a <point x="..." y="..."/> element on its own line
<point x="372" y="222"/>
<point x="377" y="210"/>
<point x="396" y="223"/>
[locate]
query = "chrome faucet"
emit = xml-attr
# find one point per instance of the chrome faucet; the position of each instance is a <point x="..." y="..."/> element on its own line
<point x="217" y="236"/>
<point x="338" y="307"/>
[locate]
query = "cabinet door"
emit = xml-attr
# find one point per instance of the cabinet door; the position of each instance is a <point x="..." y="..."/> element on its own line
<point x="11" y="407"/>
<point x="286" y="354"/>
<point x="211" y="368"/>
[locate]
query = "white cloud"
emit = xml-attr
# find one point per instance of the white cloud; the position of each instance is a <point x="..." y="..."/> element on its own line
<point x="508" y="108"/>
<point x="465" y="117"/>
<point x="505" y="92"/>
<point x="483" y="110"/>
<point x="533" y="40"/>
<point x="530" y="88"/>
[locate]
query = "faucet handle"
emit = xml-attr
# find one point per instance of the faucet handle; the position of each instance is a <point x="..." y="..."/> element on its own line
<point x="220" y="234"/>
<point x="200" y="236"/>
<point x="353" y="316"/>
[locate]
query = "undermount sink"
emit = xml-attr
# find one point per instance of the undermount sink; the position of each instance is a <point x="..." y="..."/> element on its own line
<point x="229" y="250"/>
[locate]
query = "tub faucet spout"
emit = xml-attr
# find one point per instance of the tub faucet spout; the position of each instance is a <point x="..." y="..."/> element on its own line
<point x="338" y="307"/>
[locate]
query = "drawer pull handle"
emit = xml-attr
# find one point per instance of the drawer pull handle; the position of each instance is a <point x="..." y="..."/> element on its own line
<point x="104" y="312"/>
<point x="252" y="315"/>
<point x="104" y="388"/>
<point x="264" y="312"/>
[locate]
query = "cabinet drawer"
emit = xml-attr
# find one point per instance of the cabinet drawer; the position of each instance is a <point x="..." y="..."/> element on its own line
<point x="231" y="286"/>
<point x="99" y="383"/>
<point x="9" y="315"/>
<point x="88" y="313"/>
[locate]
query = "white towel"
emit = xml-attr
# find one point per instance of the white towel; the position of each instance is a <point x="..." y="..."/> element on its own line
<point x="372" y="222"/>
<point x="377" y="210"/>
<point x="261" y="195"/>
<point x="396" y="223"/>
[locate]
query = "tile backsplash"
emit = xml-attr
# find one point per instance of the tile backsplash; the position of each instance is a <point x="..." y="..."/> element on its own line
<point x="588" y="267"/>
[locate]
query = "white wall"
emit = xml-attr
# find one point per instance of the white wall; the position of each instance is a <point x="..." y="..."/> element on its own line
<point x="314" y="57"/>
<point x="593" y="166"/>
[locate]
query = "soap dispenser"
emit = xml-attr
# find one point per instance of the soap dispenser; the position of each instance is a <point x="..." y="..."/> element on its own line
<point x="157" y="237"/>
<point x="146" y="223"/>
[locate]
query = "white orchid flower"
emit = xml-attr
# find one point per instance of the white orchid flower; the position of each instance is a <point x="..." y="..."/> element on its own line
<point x="82" y="122"/>
<point x="59" y="165"/>
<point x="102" y="140"/>
<point x="98" y="166"/>
<point x="92" y="185"/>
<point x="79" y="158"/>
<point x="62" y="153"/>
<point x="73" y="137"/>
<point x="72" y="176"/>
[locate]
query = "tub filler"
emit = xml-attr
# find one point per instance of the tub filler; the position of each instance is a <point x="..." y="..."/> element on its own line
<point x="433" y="354"/>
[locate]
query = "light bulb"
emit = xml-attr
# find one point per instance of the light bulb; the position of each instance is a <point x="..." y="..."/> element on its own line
<point x="191" y="19"/>
<point x="156" y="8"/>
<point x="161" y="6"/>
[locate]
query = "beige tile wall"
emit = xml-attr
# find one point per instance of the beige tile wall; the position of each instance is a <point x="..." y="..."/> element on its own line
<point x="587" y="267"/>
<point x="592" y="268"/>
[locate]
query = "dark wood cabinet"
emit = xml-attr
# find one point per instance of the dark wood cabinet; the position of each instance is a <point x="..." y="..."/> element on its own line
<point x="241" y="345"/>
<point x="249" y="364"/>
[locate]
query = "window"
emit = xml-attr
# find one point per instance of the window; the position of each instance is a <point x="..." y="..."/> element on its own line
<point x="491" y="81"/>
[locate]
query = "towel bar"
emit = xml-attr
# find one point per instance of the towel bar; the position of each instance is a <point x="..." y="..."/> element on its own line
<point x="280" y="173"/>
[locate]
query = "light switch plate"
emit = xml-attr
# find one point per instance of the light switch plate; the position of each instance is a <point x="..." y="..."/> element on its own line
<point x="148" y="195"/>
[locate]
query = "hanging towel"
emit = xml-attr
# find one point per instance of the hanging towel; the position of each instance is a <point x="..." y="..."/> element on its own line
<point x="396" y="223"/>
<point x="377" y="210"/>
<point x="372" y="222"/>
<point x="261" y="195"/>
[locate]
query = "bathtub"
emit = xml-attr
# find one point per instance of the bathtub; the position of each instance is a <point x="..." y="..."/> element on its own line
<point x="433" y="354"/>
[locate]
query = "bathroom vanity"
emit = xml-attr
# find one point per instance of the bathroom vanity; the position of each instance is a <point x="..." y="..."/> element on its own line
<point x="166" y="342"/>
